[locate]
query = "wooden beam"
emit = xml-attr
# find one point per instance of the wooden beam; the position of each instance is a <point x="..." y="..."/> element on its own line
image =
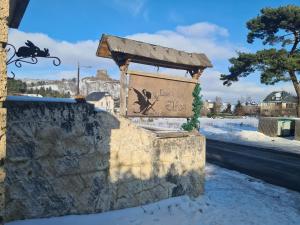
<point x="196" y="73"/>
<point x="119" y="57"/>
<point x="161" y="76"/>
<point x="16" y="11"/>
<point x="123" y="85"/>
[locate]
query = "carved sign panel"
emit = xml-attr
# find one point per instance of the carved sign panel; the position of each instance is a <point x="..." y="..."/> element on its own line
<point x="152" y="95"/>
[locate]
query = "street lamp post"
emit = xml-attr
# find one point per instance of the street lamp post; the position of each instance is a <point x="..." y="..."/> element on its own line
<point x="78" y="76"/>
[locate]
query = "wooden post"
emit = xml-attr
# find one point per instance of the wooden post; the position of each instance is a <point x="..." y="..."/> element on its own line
<point x="123" y="85"/>
<point x="196" y="73"/>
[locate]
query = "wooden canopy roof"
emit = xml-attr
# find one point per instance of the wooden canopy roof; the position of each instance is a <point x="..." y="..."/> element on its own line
<point x="17" y="9"/>
<point x="121" y="49"/>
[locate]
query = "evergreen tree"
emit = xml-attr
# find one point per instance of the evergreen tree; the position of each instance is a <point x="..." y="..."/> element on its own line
<point x="19" y="87"/>
<point x="15" y="86"/>
<point x="193" y="123"/>
<point x="239" y="110"/>
<point x="275" y="27"/>
<point x="228" y="109"/>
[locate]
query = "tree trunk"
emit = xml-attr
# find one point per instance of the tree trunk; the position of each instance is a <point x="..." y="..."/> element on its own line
<point x="298" y="106"/>
<point x="297" y="89"/>
<point x="298" y="96"/>
<point x="293" y="73"/>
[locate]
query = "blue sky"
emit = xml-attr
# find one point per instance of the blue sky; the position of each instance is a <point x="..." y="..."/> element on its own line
<point x="71" y="30"/>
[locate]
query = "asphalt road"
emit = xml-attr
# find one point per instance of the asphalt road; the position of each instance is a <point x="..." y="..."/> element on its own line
<point x="273" y="166"/>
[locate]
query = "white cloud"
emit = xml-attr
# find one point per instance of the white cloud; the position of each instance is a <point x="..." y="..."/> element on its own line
<point x="200" y="37"/>
<point x="56" y="75"/>
<point x="69" y="53"/>
<point x="212" y="87"/>
<point x="202" y="30"/>
<point x="85" y="51"/>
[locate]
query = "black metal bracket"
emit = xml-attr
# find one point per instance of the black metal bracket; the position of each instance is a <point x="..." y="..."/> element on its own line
<point x="27" y="54"/>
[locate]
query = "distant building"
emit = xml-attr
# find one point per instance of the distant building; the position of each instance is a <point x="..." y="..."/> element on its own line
<point x="101" y="82"/>
<point x="207" y="107"/>
<point x="279" y="103"/>
<point x="101" y="100"/>
<point x="251" y="108"/>
<point x="209" y="104"/>
<point x="102" y="75"/>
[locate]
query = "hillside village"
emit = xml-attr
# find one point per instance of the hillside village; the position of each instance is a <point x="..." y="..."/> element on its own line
<point x="277" y="103"/>
<point x="101" y="81"/>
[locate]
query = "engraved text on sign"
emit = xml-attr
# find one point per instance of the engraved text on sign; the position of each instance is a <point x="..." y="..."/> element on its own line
<point x="151" y="95"/>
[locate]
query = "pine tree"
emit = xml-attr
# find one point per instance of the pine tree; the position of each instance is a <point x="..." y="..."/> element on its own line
<point x="280" y="29"/>
<point x="228" y="109"/>
<point x="239" y="110"/>
<point x="15" y="86"/>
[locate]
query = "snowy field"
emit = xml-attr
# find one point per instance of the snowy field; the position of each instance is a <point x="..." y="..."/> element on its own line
<point x="230" y="198"/>
<point x="242" y="131"/>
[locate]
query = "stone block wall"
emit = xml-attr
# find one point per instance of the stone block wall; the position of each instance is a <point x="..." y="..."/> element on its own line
<point x="65" y="158"/>
<point x="145" y="168"/>
<point x="268" y="126"/>
<point x="4" y="12"/>
<point x="297" y="130"/>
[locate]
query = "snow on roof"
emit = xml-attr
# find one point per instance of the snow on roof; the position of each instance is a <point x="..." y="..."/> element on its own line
<point x="145" y="53"/>
<point x="280" y="96"/>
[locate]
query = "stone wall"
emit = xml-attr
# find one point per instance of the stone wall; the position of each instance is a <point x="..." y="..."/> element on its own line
<point x="297" y="130"/>
<point x="268" y="126"/>
<point x="4" y="11"/>
<point x="65" y="158"/>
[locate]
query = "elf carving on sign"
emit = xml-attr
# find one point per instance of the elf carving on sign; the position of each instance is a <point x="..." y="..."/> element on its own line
<point x="144" y="101"/>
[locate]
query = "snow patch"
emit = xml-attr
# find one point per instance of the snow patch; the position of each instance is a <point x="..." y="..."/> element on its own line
<point x="230" y="198"/>
<point x="244" y="131"/>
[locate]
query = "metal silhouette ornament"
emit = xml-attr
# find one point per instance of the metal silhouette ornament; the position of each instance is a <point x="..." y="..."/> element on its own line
<point x="144" y="101"/>
<point x="28" y="54"/>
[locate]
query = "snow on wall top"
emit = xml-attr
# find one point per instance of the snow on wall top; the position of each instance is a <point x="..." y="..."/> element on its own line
<point x="39" y="99"/>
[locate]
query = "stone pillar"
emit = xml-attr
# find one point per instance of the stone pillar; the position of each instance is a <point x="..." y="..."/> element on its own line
<point x="268" y="126"/>
<point x="297" y="130"/>
<point x="4" y="12"/>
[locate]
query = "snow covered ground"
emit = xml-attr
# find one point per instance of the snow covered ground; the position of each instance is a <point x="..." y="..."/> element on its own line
<point x="230" y="198"/>
<point x="244" y="131"/>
